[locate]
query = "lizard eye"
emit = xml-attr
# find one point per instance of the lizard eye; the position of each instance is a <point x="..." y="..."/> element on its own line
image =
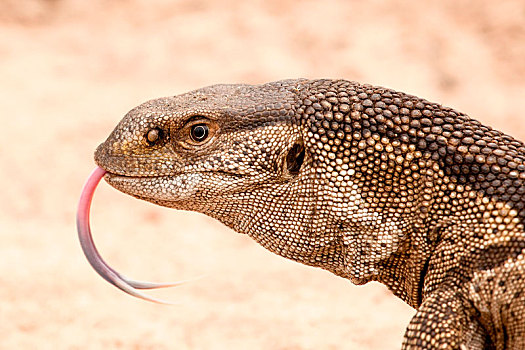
<point x="199" y="132"/>
<point x="153" y="136"/>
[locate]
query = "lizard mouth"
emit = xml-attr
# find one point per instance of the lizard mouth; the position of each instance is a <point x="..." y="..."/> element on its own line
<point x="123" y="283"/>
<point x="170" y="188"/>
<point x="185" y="188"/>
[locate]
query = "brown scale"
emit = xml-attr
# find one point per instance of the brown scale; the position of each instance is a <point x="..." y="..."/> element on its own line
<point x="363" y="181"/>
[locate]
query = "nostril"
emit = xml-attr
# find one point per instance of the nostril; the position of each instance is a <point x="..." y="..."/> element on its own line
<point x="154" y="135"/>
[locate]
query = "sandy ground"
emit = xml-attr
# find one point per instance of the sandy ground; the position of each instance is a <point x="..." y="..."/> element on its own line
<point x="69" y="70"/>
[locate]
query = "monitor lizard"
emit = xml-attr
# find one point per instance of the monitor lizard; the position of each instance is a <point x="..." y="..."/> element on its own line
<point x="363" y="181"/>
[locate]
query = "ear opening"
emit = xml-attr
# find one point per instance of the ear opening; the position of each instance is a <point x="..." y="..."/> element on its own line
<point x="295" y="158"/>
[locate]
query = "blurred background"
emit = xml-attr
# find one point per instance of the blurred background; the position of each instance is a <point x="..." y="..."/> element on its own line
<point x="69" y="71"/>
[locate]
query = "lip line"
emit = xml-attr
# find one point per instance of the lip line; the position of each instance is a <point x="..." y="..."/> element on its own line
<point x="117" y="175"/>
<point x="110" y="175"/>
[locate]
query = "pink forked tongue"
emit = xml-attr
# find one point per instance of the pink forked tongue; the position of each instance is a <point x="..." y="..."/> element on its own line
<point x="88" y="246"/>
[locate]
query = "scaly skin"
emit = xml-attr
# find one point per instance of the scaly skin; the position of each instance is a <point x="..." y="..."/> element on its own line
<point x="366" y="182"/>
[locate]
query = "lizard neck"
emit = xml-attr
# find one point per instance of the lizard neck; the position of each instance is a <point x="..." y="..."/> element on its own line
<point x="305" y="231"/>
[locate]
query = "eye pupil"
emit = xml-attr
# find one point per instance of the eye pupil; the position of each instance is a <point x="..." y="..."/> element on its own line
<point x="199" y="132"/>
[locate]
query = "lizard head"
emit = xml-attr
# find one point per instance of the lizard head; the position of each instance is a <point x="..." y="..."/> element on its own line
<point x="233" y="152"/>
<point x="195" y="150"/>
